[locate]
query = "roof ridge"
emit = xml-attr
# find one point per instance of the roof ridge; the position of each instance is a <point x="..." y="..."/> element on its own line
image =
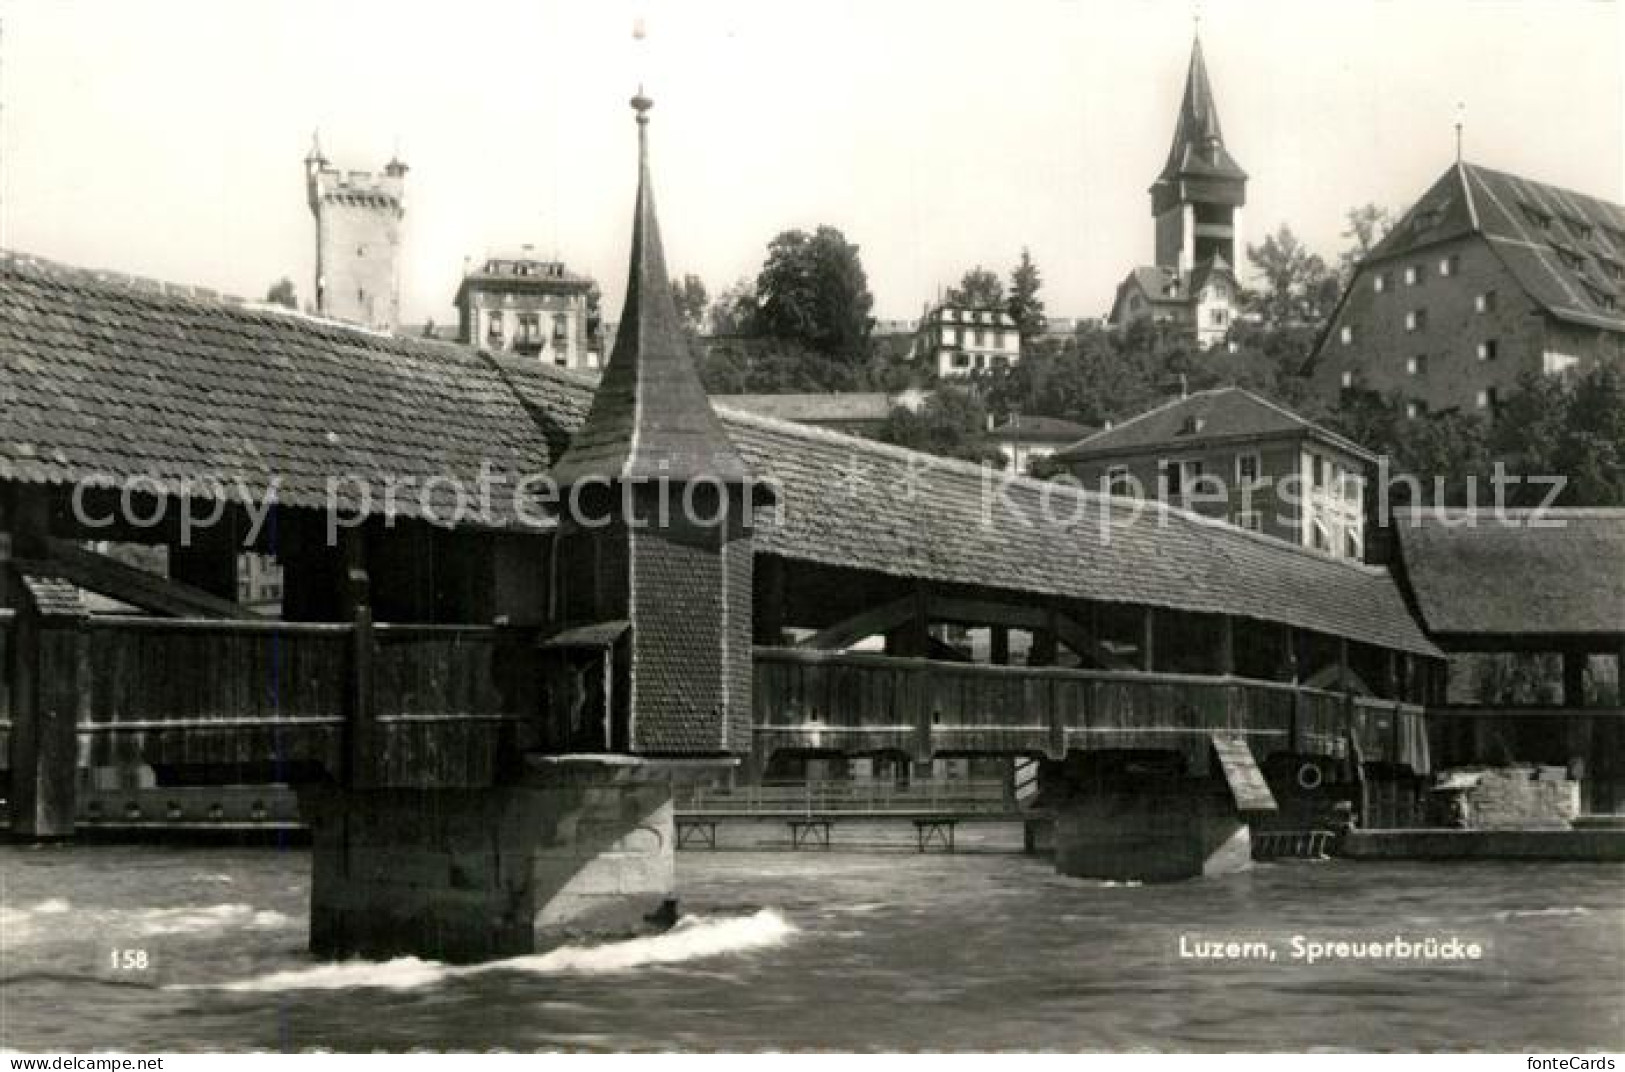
<point x="1153" y="411"/>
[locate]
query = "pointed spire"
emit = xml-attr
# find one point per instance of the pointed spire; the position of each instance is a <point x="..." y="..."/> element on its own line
<point x="1198" y="138"/>
<point x="315" y="155"/>
<point x="650" y="418"/>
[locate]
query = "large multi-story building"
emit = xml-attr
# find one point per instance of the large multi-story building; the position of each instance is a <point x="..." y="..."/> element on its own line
<point x="958" y="340"/>
<point x="1232" y="455"/>
<point x="1196" y="203"/>
<point x="532" y="307"/>
<point x="358" y="240"/>
<point x="1488" y="276"/>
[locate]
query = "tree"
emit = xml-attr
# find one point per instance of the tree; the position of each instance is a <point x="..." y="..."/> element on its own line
<point x="1365" y="227"/>
<point x="952" y="424"/>
<point x="689" y="294"/>
<point x="282" y="293"/>
<point x="813" y="288"/>
<point x="734" y="310"/>
<point x="979" y="288"/>
<point x="1024" y="305"/>
<point x="1298" y="288"/>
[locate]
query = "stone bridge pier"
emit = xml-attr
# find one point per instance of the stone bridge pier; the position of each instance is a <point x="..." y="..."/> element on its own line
<point x="1148" y="816"/>
<point x="578" y="847"/>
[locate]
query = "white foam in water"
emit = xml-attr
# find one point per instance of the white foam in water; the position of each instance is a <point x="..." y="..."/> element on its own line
<point x="692" y="938"/>
<point x="54" y="906"/>
<point x="161" y="921"/>
<point x="404" y="973"/>
<point x="1515" y="913"/>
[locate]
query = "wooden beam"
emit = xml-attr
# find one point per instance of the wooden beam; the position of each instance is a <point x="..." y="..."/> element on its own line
<point x="1148" y="640"/>
<point x="1574" y="678"/>
<point x="137" y="587"/>
<point x="50" y="686"/>
<point x="364" y="740"/>
<point x="1225" y="656"/>
<point x="962" y="611"/>
<point x="848" y="631"/>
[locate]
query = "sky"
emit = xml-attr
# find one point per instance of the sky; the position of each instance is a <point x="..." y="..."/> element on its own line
<point x="166" y="138"/>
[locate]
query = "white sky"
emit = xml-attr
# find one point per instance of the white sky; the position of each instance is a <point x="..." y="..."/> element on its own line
<point x="166" y="137"/>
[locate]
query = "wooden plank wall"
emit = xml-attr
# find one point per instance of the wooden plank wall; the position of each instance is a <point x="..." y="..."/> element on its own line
<point x="860" y="703"/>
<point x="218" y="696"/>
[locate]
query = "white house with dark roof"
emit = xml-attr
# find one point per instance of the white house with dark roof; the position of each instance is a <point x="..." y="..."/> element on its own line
<point x="1488" y="276"/>
<point x="958" y="340"/>
<point x="1229" y="454"/>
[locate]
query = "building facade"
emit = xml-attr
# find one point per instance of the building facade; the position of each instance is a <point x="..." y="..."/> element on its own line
<point x="1196" y="205"/>
<point x="359" y="218"/>
<point x="1488" y="276"/>
<point x="531" y="307"/>
<point x="1231" y="455"/>
<point x="957" y="341"/>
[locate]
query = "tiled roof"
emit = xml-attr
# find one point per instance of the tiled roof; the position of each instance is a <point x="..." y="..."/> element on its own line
<point x="1524" y="573"/>
<point x="650" y="418"/>
<point x="1197" y="130"/>
<point x="1032" y="429"/>
<point x="104" y="381"/>
<point x="846" y="501"/>
<point x="1220" y="413"/>
<point x="1565" y="249"/>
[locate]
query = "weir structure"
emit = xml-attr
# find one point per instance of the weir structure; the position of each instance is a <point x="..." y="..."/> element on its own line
<point x="484" y="689"/>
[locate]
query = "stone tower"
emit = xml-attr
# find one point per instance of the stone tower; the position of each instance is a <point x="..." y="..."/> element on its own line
<point x="358" y="240"/>
<point x="651" y="568"/>
<point x="1198" y="197"/>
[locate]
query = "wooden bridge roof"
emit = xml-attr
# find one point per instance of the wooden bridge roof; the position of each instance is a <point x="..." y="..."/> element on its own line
<point x="101" y="380"/>
<point x="1532" y="574"/>
<point x="104" y="379"/>
<point x="851" y="502"/>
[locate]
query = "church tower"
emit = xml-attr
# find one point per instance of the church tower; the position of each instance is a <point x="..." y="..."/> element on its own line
<point x="358" y="240"/>
<point x="1198" y="197"/>
<point x="1196" y="203"/>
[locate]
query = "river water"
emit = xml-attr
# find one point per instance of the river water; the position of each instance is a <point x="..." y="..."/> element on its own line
<point x="163" y="948"/>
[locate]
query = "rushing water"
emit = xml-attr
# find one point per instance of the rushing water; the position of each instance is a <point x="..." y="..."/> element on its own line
<point x="824" y="950"/>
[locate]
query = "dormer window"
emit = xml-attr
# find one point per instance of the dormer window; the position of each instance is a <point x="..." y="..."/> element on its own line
<point x="1536" y="217"/>
<point x="1192" y="425"/>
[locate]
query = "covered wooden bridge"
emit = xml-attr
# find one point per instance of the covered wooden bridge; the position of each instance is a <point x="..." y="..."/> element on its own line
<point x="458" y="653"/>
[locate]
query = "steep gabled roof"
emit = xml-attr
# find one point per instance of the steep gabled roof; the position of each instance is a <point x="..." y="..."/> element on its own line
<point x="1522" y="573"/>
<point x="1223" y="413"/>
<point x="651" y="418"/>
<point x="1198" y="145"/>
<point x="1565" y="249"/>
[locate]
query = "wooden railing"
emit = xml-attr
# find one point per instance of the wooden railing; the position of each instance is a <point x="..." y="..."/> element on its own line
<point x="856" y="703"/>
<point x="385" y="705"/>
